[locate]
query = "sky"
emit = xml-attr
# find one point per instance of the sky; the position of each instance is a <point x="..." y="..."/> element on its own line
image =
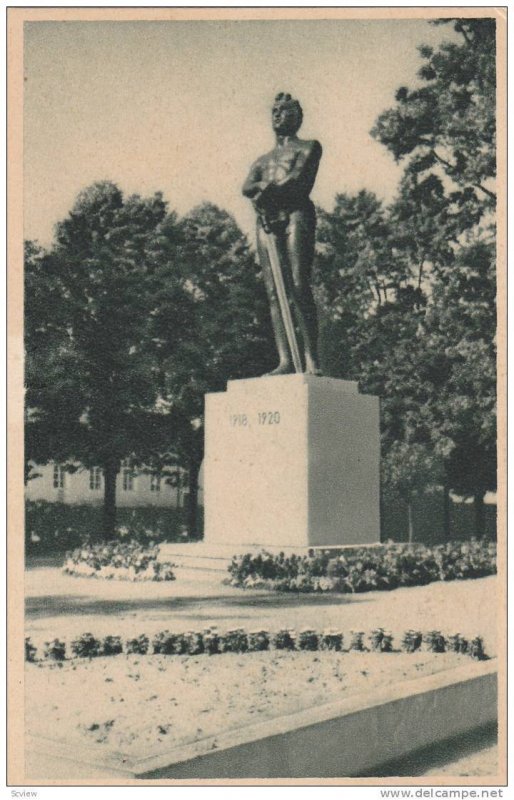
<point x="183" y="107"/>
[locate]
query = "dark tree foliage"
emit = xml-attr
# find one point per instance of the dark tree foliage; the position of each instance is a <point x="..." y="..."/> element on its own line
<point x="91" y="387"/>
<point x="355" y="270"/>
<point x="459" y="332"/>
<point x="447" y="125"/>
<point x="408" y="292"/>
<point x="373" y="306"/>
<point x="131" y="318"/>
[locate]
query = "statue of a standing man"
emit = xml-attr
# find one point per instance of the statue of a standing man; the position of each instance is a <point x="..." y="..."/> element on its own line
<point x="279" y="185"/>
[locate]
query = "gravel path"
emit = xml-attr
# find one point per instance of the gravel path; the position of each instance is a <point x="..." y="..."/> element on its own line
<point x="63" y="606"/>
<point x="148" y="703"/>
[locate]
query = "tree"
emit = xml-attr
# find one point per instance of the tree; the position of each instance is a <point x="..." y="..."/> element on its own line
<point x="407" y="469"/>
<point x="226" y="333"/>
<point x="391" y="356"/>
<point x="372" y="296"/>
<point x="44" y="326"/>
<point x="459" y="328"/>
<point x="353" y="276"/>
<point x="447" y="125"/>
<point x="91" y="383"/>
<point x="415" y="328"/>
<point x="445" y="132"/>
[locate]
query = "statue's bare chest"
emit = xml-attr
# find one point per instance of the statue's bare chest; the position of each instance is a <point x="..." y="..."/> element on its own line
<point x="279" y="163"/>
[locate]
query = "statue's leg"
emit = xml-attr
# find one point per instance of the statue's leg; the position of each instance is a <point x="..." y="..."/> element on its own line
<point x="300" y="251"/>
<point x="285" y="365"/>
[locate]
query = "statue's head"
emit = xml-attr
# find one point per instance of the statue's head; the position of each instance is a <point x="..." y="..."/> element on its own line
<point x="286" y="115"/>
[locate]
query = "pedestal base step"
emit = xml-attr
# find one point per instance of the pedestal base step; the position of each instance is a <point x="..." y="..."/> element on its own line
<point x="217" y="558"/>
<point x="197" y="556"/>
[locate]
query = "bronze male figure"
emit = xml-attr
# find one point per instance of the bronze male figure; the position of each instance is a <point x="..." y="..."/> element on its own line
<point x="279" y="185"/>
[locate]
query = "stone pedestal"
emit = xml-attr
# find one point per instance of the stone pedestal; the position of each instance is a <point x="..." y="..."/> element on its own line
<point x="293" y="461"/>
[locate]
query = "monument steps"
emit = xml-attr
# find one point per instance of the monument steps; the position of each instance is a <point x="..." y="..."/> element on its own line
<point x="206" y="557"/>
<point x="197" y="556"/>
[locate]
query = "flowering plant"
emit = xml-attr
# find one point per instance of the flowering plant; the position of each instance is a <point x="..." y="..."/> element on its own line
<point x="332" y="640"/>
<point x="376" y="638"/>
<point x="55" y="650"/>
<point x="137" y="645"/>
<point x="238" y="640"/>
<point x="476" y="649"/>
<point x="258" y="640"/>
<point x="87" y="646"/>
<point x="30" y="650"/>
<point x="111" y="646"/>
<point x="284" y="640"/>
<point x="235" y="641"/>
<point x="357" y="641"/>
<point x="412" y="641"/>
<point x="211" y="641"/>
<point x="308" y="640"/>
<point x="435" y="642"/>
<point x="457" y="643"/>
<point x="118" y="561"/>
<point x="364" y="569"/>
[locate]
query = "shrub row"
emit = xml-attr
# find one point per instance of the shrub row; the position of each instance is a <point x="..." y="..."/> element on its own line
<point x="212" y="642"/>
<point x="127" y="561"/>
<point x="364" y="569"/>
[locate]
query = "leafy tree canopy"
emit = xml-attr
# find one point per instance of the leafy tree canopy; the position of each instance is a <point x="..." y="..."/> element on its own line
<point x="91" y="387"/>
<point x="446" y="125"/>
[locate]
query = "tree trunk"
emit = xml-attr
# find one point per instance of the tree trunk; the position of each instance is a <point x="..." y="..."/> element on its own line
<point x="479" y="513"/>
<point x="381" y="512"/>
<point x="111" y="469"/>
<point x="410" y="519"/>
<point x="446" y="512"/>
<point x="192" y="504"/>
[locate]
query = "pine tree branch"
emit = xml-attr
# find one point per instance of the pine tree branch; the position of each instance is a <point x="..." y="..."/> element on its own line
<point x="490" y="194"/>
<point x="453" y="171"/>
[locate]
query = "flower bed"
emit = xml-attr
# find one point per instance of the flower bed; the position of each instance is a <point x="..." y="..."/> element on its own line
<point x="238" y="640"/>
<point x="128" y="561"/>
<point x="364" y="569"/>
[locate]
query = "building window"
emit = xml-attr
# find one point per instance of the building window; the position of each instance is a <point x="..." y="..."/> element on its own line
<point x="58" y="477"/>
<point x="155" y="483"/>
<point x="128" y="480"/>
<point x="95" y="479"/>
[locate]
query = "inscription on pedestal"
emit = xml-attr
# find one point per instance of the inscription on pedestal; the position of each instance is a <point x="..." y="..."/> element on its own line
<point x="242" y="420"/>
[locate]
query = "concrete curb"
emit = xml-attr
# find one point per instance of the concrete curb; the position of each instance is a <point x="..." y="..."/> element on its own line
<point x="342" y="739"/>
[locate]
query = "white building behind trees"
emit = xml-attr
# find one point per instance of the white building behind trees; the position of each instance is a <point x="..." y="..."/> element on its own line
<point x="54" y="483"/>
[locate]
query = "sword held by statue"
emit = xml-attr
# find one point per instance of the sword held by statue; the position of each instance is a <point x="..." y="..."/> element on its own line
<point x="283" y="302"/>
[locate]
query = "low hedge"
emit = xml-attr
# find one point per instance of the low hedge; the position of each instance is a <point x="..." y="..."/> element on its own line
<point x="57" y="527"/>
<point x="212" y="642"/>
<point x="129" y="561"/>
<point x="364" y="569"/>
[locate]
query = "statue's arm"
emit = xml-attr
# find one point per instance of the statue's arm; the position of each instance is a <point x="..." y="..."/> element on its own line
<point x="303" y="174"/>
<point x="254" y="184"/>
